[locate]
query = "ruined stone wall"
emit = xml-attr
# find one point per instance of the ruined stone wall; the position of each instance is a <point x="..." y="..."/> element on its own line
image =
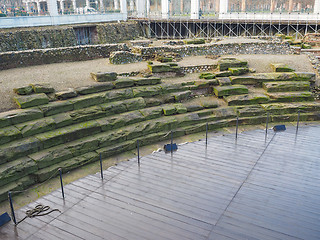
<point x="56" y="55"/>
<point x="65" y="36"/>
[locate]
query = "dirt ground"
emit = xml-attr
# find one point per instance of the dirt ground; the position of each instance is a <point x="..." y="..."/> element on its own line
<point x="76" y="74"/>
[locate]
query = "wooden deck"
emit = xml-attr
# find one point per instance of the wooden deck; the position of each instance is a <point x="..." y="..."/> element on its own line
<point x="252" y="188"/>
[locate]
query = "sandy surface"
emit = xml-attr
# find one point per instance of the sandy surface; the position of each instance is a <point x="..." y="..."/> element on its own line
<point x="75" y="74"/>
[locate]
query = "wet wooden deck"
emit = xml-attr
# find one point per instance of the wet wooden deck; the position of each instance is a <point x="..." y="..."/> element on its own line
<point x="252" y="188"/>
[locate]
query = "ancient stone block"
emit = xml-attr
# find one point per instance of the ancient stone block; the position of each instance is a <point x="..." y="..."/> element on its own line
<point x="146" y="81"/>
<point x="291" y="97"/>
<point x="224" y="81"/>
<point x="250" y="110"/>
<point x="304" y="76"/>
<point x="19" y="116"/>
<point x="123" y="83"/>
<point x="31" y="100"/>
<point x="187" y="119"/>
<point x="123" y="57"/>
<point x="286" y="86"/>
<point x="147" y="91"/>
<point x="226" y="63"/>
<point x="180" y="108"/>
<point x="120" y="94"/>
<point x="27" y="90"/>
<point x="34" y="127"/>
<point x="238" y="71"/>
<point x="207" y="75"/>
<point x="134" y="103"/>
<point x="42" y="88"/>
<point x="88" y="100"/>
<point x="9" y="134"/>
<point x="246" y="80"/>
<point x="62" y="120"/>
<point x="179" y="96"/>
<point x="104" y="76"/>
<point x="223" y="74"/>
<point x="220" y="91"/>
<point x="113" y="108"/>
<point x="56" y="107"/>
<point x="63" y="95"/>
<point x="281" y="67"/>
<point x="116" y="149"/>
<point x="83" y="145"/>
<point x="268" y="77"/>
<point x="160" y="68"/>
<point x="87" y="114"/>
<point x="169" y="110"/>
<point x="151" y="113"/>
<point x="95" y="88"/>
<point x="246" y="99"/>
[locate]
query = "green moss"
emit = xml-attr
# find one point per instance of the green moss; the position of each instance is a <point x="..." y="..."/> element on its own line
<point x="230" y="90"/>
<point x="31" y="100"/>
<point x="246" y="99"/>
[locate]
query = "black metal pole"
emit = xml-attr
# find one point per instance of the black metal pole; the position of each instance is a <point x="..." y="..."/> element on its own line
<point x="138" y="152"/>
<point x="298" y="120"/>
<point x="207" y="134"/>
<point x="267" y="123"/>
<point x="101" y="170"/>
<point x="12" y="209"/>
<point x="60" y="173"/>
<point x="237" y="124"/>
<point x="171" y="140"/>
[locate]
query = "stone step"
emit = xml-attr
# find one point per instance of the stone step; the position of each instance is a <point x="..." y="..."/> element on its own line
<point x="286" y="86"/>
<point x="247" y="99"/>
<point x="221" y="91"/>
<point x="226" y="63"/>
<point x="281" y="67"/>
<point x="291" y="97"/>
<point x="290" y="108"/>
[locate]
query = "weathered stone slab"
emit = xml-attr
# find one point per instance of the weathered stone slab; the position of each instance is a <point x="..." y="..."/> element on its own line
<point x="180" y="96"/>
<point x="104" y="76"/>
<point x="224" y="81"/>
<point x="174" y="87"/>
<point x="223" y="74"/>
<point x="238" y="71"/>
<point x="147" y="81"/>
<point x="134" y="103"/>
<point x="305" y="76"/>
<point x="250" y="111"/>
<point x="180" y="108"/>
<point x="83" y="145"/>
<point x="147" y="91"/>
<point x="289" y="108"/>
<point x="42" y="88"/>
<point x="120" y="94"/>
<point x="14" y="170"/>
<point x="87" y="114"/>
<point x="160" y="68"/>
<point x="123" y="83"/>
<point x="221" y="91"/>
<point x="68" y="134"/>
<point x="62" y="120"/>
<point x="113" y="108"/>
<point x="247" y="99"/>
<point x="226" y="63"/>
<point x="34" y="127"/>
<point x="268" y="77"/>
<point x="111" y="137"/>
<point x="281" y="67"/>
<point x="169" y="110"/>
<point x="51" y="156"/>
<point x="195" y="41"/>
<point x="209" y="103"/>
<point x="224" y="113"/>
<point x="95" y="88"/>
<point x="66" y="165"/>
<point x="19" y="148"/>
<point x="207" y="75"/>
<point x="153" y="101"/>
<point x="53" y="108"/>
<point x="151" y="113"/>
<point x="66" y="94"/>
<point x="116" y="149"/>
<point x="123" y="57"/>
<point x="9" y="134"/>
<point x="19" y="116"/>
<point x="27" y="90"/>
<point x="31" y="100"/>
<point x="17" y="185"/>
<point x="193" y="106"/>
<point x="88" y="100"/>
<point x="286" y="86"/>
<point x="246" y="80"/>
<point x="291" y="97"/>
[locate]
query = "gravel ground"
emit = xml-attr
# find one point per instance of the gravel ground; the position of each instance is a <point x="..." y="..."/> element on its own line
<point x="75" y="74"/>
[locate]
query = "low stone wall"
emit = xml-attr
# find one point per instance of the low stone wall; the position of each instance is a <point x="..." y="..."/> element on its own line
<point x="198" y="68"/>
<point x="55" y="55"/>
<point x="217" y="49"/>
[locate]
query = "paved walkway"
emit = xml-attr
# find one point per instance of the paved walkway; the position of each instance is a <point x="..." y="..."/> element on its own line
<point x="252" y="188"/>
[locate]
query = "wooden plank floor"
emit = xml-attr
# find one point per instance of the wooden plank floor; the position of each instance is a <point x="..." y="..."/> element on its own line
<point x="252" y="188"/>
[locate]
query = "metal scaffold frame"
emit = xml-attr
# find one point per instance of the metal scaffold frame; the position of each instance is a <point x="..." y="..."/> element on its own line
<point x="212" y="28"/>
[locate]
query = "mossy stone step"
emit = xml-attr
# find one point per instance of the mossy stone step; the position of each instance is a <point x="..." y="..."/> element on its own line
<point x="42" y="88"/>
<point x="236" y="71"/>
<point x="37" y="126"/>
<point x="104" y="76"/>
<point x="207" y="75"/>
<point x="14" y="170"/>
<point x="221" y="91"/>
<point x="33" y="100"/>
<point x="305" y="76"/>
<point x="57" y="107"/>
<point x="226" y="63"/>
<point x="123" y="83"/>
<point x="17" y="185"/>
<point x="9" y="134"/>
<point x="224" y="81"/>
<point x="146" y="81"/>
<point x="223" y="74"/>
<point x="66" y="94"/>
<point x="26" y="90"/>
<point x="289" y="108"/>
<point x="286" y="86"/>
<point x="247" y="99"/>
<point x="19" y="116"/>
<point x="269" y="77"/>
<point x="246" y="80"/>
<point x="102" y="87"/>
<point x="250" y="110"/>
<point x="291" y="97"/>
<point x="281" y="67"/>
